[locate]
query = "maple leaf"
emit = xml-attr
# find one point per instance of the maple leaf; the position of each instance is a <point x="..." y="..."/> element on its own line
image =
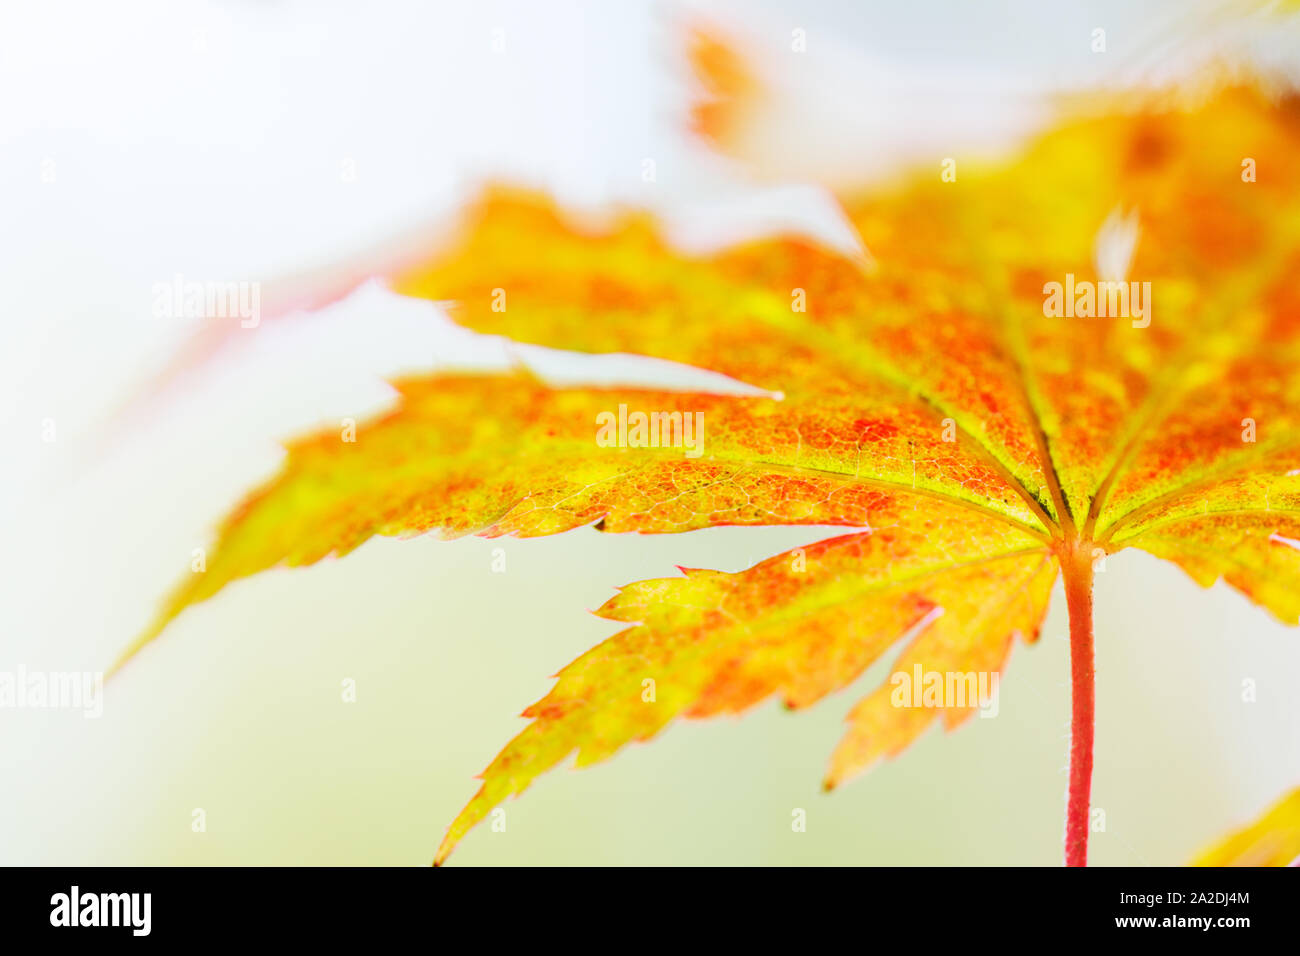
<point x="976" y="446"/>
<point x="1272" y="840"/>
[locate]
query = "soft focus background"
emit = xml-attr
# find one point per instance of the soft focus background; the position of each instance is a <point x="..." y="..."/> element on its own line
<point x="241" y="140"/>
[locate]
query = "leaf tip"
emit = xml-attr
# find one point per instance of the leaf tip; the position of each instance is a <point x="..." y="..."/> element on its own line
<point x="134" y="648"/>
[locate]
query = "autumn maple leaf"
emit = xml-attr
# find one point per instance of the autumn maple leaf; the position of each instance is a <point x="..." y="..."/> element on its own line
<point x="977" y="446"/>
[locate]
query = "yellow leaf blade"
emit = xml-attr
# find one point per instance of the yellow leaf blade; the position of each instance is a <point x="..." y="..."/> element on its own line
<point x="960" y="656"/>
<point x="508" y="455"/>
<point x="801" y="625"/>
<point x="1272" y="840"/>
